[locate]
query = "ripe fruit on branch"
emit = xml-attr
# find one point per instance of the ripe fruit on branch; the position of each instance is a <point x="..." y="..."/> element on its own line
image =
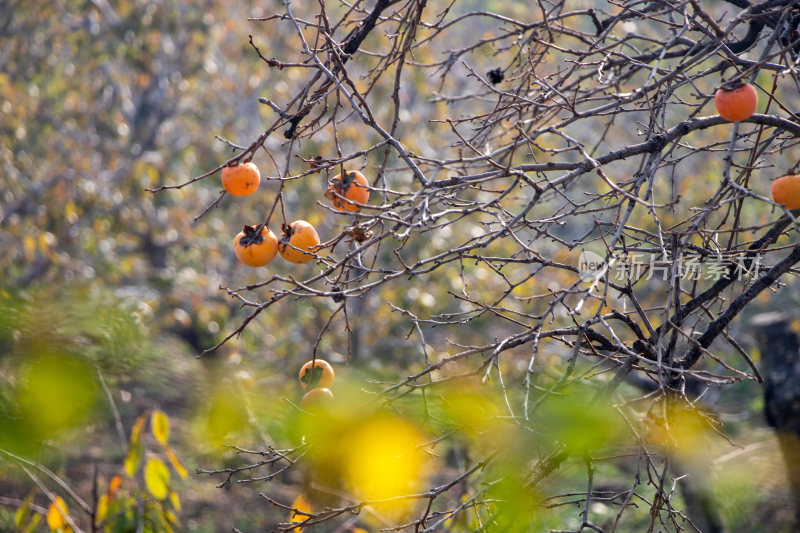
<point x="241" y="180"/>
<point x="786" y="191"/>
<point x="321" y="375"/>
<point x="253" y="249"/>
<point x="316" y="399"/>
<point x="736" y="101"/>
<point x="299" y="234"/>
<point x="346" y="194"/>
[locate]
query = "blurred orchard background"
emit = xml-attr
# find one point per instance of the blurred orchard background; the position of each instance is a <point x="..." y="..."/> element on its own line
<point x="484" y="382"/>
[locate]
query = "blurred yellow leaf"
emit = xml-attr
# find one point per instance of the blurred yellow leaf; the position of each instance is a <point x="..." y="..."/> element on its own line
<point x="176" y="464"/>
<point x="56" y="514"/>
<point x="175" y="500"/>
<point x="33" y="524"/>
<point x="45" y="239"/>
<point x="102" y="508"/>
<point x="302" y="505"/>
<point x="21" y="516"/>
<point x="136" y="451"/>
<point x="134" y="458"/>
<point x="29" y="245"/>
<point x="136" y="431"/>
<point x="681" y="428"/>
<point x="382" y="458"/>
<point x="70" y="211"/>
<point x="160" y="425"/>
<point x="156" y="477"/>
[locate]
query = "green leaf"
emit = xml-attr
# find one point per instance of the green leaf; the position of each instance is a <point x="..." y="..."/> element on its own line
<point x="160" y="426"/>
<point x="156" y="477"/>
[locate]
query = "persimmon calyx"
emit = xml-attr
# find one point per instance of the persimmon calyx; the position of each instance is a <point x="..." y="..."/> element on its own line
<point x="286" y="236"/>
<point x="239" y="162"/>
<point x="732" y="85"/>
<point x="340" y="186"/>
<point x="250" y="236"/>
<point x="313" y="376"/>
<point x="347" y="179"/>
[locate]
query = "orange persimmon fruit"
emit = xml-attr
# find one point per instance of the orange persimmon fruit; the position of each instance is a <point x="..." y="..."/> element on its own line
<point x="298" y="239"/>
<point x="736" y="101"/>
<point x="316" y="399"/>
<point x="317" y="373"/>
<point x="241" y="180"/>
<point x="786" y="191"/>
<point x="253" y="249"/>
<point x="347" y="194"/>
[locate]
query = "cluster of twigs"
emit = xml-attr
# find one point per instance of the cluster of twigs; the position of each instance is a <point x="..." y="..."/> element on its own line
<point x="591" y="130"/>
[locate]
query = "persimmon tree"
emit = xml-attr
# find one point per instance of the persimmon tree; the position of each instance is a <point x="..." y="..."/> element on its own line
<point x="560" y="227"/>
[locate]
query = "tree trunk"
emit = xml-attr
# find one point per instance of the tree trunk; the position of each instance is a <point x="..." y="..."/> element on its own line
<point x="780" y="367"/>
